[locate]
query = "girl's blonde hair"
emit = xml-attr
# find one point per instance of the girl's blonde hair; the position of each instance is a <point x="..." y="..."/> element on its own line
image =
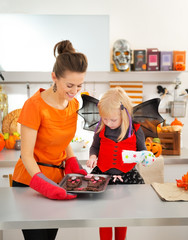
<point x="112" y="100"/>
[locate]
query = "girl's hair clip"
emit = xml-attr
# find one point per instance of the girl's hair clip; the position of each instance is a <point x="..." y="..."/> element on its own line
<point x="130" y="119"/>
<point x="121" y="106"/>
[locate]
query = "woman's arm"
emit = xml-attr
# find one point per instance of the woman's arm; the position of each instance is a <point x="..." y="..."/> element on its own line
<point x="27" y="149"/>
<point x="69" y="152"/>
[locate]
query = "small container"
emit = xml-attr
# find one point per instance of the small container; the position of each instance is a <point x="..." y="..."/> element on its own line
<point x="178" y="108"/>
<point x="17" y="145"/>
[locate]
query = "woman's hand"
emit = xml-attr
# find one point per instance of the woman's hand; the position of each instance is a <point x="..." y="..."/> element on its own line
<point x="92" y="162"/>
<point x="72" y="165"/>
<point x="48" y="188"/>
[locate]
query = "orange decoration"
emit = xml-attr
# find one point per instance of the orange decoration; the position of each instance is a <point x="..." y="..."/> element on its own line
<point x="183" y="183"/>
<point x="176" y="122"/>
<point x="148" y="146"/>
<point x="2" y="143"/>
<point x="155" y="148"/>
<point x="10" y="142"/>
<point x="16" y="137"/>
<point x="86" y="93"/>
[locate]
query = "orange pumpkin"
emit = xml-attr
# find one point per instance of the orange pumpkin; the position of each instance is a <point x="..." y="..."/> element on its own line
<point x="16" y="137"/>
<point x="1" y="136"/>
<point x="10" y="142"/>
<point x="156" y="149"/>
<point x="176" y="122"/>
<point x="148" y="146"/>
<point x="2" y="143"/>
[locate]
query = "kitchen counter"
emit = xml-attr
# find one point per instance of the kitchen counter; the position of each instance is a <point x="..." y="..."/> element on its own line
<point x="8" y="158"/>
<point x="177" y="159"/>
<point x="120" y="205"/>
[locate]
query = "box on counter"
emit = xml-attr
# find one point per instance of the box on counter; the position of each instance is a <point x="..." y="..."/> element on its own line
<point x="179" y="59"/>
<point x="170" y="142"/>
<point x="139" y="60"/>
<point x="153" y="59"/>
<point x="166" y="60"/>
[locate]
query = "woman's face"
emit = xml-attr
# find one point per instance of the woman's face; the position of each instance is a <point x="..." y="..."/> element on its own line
<point x="69" y="85"/>
<point x="114" y="120"/>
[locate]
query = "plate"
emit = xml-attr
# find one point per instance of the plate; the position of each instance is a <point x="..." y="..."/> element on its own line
<point x="85" y="182"/>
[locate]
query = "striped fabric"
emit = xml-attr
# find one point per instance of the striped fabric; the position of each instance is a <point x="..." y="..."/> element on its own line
<point x="134" y="89"/>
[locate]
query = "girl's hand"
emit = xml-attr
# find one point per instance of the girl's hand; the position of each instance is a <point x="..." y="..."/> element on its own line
<point x="92" y="162"/>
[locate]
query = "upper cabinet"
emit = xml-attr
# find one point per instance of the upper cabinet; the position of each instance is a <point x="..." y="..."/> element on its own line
<point x="27" y="41"/>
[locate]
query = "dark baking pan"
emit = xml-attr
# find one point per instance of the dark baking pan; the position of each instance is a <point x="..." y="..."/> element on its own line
<point x="85" y="182"/>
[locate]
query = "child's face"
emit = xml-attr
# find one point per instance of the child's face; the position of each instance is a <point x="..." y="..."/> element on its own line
<point x="113" y="121"/>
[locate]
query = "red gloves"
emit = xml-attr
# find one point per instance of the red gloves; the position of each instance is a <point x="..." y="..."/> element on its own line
<point x="72" y="166"/>
<point x="48" y="188"/>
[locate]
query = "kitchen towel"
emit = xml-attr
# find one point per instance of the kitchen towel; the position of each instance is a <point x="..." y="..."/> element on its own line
<point x="170" y="192"/>
<point x="134" y="89"/>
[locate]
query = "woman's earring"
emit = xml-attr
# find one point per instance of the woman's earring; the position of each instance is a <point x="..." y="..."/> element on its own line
<point x="54" y="87"/>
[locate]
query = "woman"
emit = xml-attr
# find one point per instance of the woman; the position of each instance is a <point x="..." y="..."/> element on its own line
<point x="48" y="124"/>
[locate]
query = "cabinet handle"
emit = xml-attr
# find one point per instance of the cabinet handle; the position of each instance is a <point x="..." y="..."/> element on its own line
<point x="5" y="176"/>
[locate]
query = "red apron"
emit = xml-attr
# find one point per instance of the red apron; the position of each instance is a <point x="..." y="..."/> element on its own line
<point x="110" y="153"/>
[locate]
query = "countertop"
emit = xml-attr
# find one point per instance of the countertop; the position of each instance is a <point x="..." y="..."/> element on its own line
<point x="120" y="205"/>
<point x="8" y="158"/>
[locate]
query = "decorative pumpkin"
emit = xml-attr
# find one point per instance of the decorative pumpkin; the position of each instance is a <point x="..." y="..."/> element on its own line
<point x="176" y="122"/>
<point x="148" y="146"/>
<point x="16" y="137"/>
<point x="1" y="136"/>
<point x="180" y="67"/>
<point x="156" y="149"/>
<point x="2" y="143"/>
<point x="10" y="142"/>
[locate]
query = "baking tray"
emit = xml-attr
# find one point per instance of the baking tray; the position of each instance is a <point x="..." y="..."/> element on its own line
<point x="85" y="182"/>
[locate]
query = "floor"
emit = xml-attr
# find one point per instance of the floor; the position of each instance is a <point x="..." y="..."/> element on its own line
<point x="171" y="172"/>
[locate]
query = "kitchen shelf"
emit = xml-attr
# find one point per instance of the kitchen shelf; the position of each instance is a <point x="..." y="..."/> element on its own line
<point x="104" y="77"/>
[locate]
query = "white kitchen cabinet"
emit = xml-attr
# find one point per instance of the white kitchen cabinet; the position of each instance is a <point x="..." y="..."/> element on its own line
<point x="4" y="176"/>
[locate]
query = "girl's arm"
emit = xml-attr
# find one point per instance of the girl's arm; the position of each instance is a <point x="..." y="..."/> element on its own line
<point x="27" y="149"/>
<point x="140" y="140"/>
<point x="94" y="151"/>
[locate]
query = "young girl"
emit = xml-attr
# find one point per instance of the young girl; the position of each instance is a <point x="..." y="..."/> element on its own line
<point x="116" y="133"/>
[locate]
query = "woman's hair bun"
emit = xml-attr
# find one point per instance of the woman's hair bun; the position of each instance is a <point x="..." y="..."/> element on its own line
<point x="63" y="47"/>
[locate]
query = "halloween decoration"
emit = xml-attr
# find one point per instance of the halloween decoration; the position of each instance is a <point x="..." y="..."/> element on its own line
<point x="183" y="183"/>
<point x="179" y="59"/>
<point x="10" y="142"/>
<point x="146" y="114"/>
<point x="139" y="60"/>
<point x="2" y="142"/>
<point x="166" y="59"/>
<point x="153" y="59"/>
<point x="122" y="55"/>
<point x="162" y="90"/>
<point x="155" y="148"/>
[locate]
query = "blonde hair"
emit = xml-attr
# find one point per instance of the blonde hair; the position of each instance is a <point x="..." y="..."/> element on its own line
<point x="112" y="100"/>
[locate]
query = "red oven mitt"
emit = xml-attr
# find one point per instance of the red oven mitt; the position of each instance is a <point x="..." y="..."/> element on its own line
<point x="48" y="188"/>
<point x="72" y="166"/>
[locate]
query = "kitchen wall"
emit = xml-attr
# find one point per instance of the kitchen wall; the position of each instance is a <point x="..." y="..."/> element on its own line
<point x="144" y="24"/>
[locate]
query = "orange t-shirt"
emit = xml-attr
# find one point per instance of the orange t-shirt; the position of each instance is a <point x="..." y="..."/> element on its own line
<point x="55" y="130"/>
